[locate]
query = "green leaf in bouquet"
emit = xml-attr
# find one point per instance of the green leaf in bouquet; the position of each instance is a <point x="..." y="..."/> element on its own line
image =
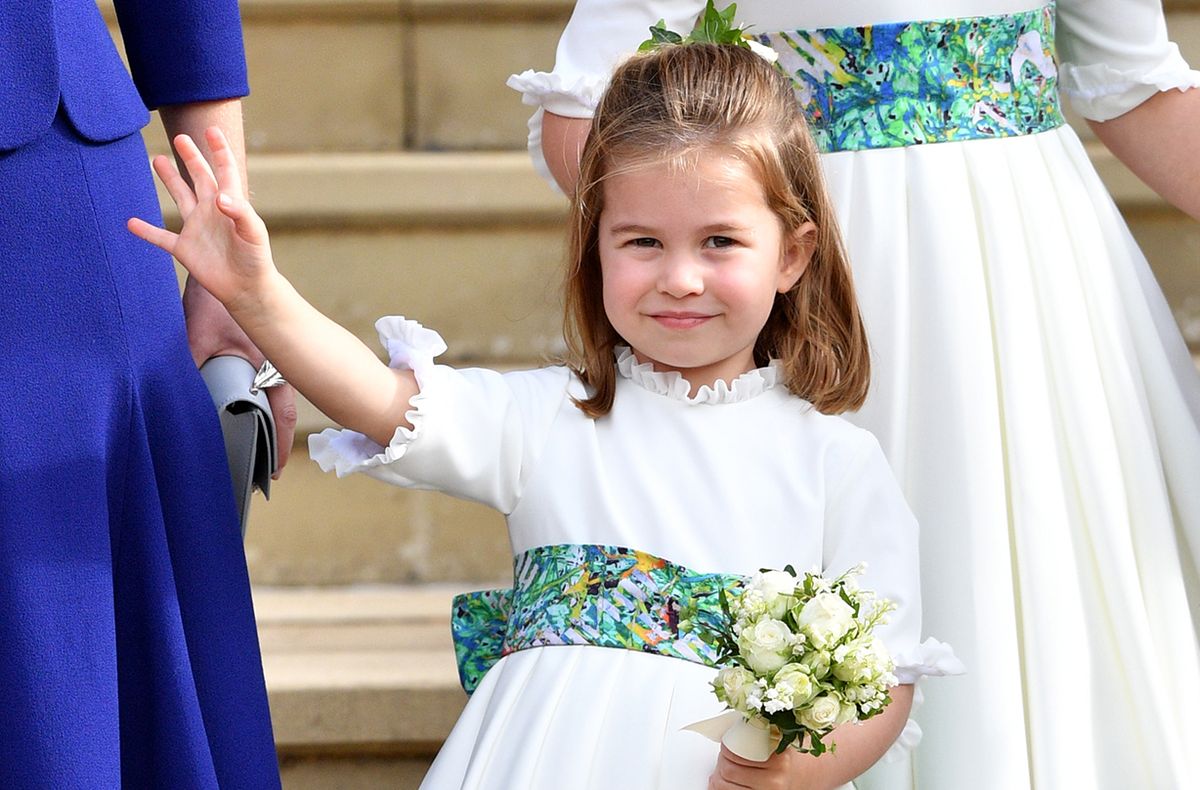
<point x="849" y="599"/>
<point x="724" y="599"/>
<point x="816" y="747"/>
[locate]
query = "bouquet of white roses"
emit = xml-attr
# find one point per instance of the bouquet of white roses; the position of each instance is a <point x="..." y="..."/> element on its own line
<point x="800" y="658"/>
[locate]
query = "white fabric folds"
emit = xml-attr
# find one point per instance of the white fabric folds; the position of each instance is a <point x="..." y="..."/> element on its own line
<point x="410" y="346"/>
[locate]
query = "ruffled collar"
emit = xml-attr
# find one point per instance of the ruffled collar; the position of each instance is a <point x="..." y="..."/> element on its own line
<point x="672" y="384"/>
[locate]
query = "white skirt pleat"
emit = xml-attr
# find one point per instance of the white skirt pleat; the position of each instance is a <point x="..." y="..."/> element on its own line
<point x="1041" y="411"/>
<point x="582" y="717"/>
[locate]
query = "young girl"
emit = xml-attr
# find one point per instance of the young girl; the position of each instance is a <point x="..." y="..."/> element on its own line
<point x="712" y="332"/>
<point x="1029" y="386"/>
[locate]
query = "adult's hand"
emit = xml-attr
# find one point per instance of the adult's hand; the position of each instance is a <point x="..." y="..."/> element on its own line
<point x="212" y="332"/>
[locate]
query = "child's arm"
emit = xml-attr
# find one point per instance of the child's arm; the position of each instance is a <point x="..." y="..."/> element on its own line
<point x="859" y="746"/>
<point x="562" y="144"/>
<point x="210" y="329"/>
<point x="224" y="245"/>
<point x="598" y="35"/>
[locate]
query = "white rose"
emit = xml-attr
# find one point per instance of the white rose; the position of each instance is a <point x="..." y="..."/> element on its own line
<point x="817" y="662"/>
<point x="732" y="685"/>
<point x="766" y="645"/>
<point x="852" y="663"/>
<point x="847" y="713"/>
<point x="776" y="588"/>
<point x="821" y="715"/>
<point x="793" y="682"/>
<point x="825" y="619"/>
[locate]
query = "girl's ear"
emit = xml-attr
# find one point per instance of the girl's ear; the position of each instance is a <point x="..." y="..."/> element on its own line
<point x="798" y="250"/>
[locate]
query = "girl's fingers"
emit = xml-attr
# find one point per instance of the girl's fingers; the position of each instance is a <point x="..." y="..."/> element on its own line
<point x="733" y="757"/>
<point x="247" y="223"/>
<point x="734" y="771"/>
<point x="178" y="189"/>
<point x="229" y="178"/>
<point x="203" y="180"/>
<point x="159" y="237"/>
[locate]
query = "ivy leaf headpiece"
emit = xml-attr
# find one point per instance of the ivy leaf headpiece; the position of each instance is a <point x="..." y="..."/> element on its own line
<point x="713" y="27"/>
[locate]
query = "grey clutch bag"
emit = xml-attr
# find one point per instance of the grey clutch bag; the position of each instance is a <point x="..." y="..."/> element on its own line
<point x="248" y="427"/>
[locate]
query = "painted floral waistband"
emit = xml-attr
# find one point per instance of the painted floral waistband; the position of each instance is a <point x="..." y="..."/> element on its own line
<point x="572" y="594"/>
<point x="908" y="83"/>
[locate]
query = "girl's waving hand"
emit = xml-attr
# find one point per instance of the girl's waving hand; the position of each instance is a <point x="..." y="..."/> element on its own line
<point x="223" y="242"/>
<point x="225" y="246"/>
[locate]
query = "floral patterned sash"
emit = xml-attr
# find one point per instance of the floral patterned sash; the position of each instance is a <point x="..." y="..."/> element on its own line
<point x="909" y="83"/>
<point x="570" y="594"/>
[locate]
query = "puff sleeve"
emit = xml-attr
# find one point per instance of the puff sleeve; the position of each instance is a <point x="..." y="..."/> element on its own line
<point x="476" y="433"/>
<point x="868" y="521"/>
<point x="598" y="35"/>
<point x="1115" y="54"/>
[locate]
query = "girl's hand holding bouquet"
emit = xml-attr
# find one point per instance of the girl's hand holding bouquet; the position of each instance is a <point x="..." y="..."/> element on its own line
<point x="801" y="658"/>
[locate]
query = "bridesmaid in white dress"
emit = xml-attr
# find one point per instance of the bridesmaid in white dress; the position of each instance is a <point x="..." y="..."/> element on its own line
<point x="1031" y="390"/>
<point x="713" y="338"/>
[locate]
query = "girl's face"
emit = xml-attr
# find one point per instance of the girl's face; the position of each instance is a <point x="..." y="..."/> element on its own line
<point x="691" y="260"/>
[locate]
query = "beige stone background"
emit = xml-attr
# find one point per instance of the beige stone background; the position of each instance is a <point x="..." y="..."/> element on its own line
<point x="387" y="157"/>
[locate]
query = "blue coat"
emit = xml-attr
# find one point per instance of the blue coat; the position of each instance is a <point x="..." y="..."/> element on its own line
<point x="128" y="650"/>
<point x="51" y="50"/>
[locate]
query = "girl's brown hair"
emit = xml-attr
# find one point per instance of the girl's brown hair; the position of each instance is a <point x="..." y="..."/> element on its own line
<point x="678" y="103"/>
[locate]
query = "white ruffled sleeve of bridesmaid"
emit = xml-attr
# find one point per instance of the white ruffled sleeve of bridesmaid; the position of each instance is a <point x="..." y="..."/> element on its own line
<point x="869" y="522"/>
<point x="599" y="34"/>
<point x="1115" y="54"/>
<point x="475" y="433"/>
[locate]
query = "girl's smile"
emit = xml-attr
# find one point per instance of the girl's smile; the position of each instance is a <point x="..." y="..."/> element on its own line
<point x="692" y="258"/>
<point x="681" y="319"/>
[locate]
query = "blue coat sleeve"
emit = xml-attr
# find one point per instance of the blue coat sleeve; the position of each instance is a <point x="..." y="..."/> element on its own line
<point x="184" y="50"/>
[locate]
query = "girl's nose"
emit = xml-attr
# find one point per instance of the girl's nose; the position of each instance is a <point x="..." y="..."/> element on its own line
<point x="681" y="276"/>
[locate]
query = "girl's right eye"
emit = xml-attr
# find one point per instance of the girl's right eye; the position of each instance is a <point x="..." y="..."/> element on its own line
<point x="644" y="241"/>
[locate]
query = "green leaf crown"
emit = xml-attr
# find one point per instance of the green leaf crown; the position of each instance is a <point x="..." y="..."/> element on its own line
<point x="712" y="27"/>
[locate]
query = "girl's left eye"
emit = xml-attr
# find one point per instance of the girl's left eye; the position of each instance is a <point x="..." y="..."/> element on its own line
<point x="719" y="241"/>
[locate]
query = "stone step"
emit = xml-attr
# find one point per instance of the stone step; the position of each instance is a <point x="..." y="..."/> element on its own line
<point x="318" y="530"/>
<point x="379" y="75"/>
<point x="361" y="680"/>
<point x="471" y="244"/>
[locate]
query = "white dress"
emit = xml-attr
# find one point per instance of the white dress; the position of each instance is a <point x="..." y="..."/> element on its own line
<point x="1032" y="394"/>
<point x="732" y="480"/>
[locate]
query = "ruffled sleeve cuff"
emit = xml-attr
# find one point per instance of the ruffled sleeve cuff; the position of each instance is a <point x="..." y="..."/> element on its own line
<point x="931" y="658"/>
<point x="575" y="98"/>
<point x="1100" y="92"/>
<point x="928" y="659"/>
<point x="410" y="346"/>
